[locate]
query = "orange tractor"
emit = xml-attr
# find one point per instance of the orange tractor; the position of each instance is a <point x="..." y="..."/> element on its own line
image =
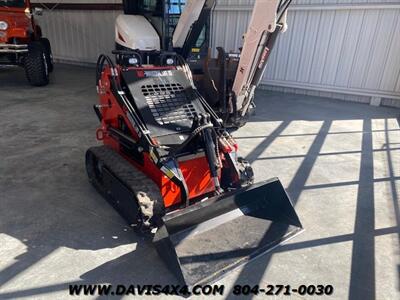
<point x="21" y="41"/>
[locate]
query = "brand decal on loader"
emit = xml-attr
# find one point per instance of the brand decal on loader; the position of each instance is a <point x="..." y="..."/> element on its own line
<point x="157" y="73"/>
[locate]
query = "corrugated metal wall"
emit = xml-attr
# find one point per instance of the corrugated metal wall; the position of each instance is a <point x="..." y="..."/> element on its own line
<point x="79" y="36"/>
<point x="348" y="49"/>
<point x="344" y="49"/>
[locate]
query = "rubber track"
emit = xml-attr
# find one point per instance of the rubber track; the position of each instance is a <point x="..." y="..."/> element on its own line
<point x="146" y="191"/>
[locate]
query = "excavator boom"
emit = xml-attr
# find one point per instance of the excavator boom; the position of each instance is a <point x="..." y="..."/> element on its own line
<point x="228" y="82"/>
<point x="258" y="41"/>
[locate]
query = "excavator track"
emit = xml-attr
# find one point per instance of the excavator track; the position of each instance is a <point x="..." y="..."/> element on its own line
<point x="136" y="197"/>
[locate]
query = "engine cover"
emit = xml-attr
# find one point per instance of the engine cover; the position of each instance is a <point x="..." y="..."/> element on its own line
<point x="136" y="33"/>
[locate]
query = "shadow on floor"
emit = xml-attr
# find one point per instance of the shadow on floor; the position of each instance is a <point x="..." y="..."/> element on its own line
<point x="54" y="224"/>
<point x="362" y="282"/>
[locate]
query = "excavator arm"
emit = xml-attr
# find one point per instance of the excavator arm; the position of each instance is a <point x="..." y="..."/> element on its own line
<point x="228" y="83"/>
<point x="267" y="21"/>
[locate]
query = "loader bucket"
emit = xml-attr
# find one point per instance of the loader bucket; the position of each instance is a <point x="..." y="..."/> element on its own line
<point x="203" y="242"/>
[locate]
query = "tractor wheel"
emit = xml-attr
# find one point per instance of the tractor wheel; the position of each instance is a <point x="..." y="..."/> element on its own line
<point x="49" y="54"/>
<point x="36" y="68"/>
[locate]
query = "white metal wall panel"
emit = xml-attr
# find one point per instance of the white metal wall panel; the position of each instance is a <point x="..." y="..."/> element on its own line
<point x="79" y="36"/>
<point x="337" y="48"/>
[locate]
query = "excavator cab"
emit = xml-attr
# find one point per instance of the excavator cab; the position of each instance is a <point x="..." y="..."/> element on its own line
<point x="162" y="18"/>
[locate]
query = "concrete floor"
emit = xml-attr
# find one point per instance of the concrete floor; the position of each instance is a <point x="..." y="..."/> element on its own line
<point x="340" y="162"/>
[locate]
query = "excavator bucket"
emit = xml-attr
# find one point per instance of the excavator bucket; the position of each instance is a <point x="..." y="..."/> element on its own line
<point x="203" y="242"/>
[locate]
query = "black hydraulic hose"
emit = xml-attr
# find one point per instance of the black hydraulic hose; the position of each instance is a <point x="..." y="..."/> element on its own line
<point x="194" y="133"/>
<point x="100" y="67"/>
<point x="282" y="9"/>
<point x="279" y="5"/>
<point x="210" y="148"/>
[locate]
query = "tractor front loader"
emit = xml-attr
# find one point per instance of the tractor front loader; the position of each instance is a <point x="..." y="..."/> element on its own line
<point x="170" y="168"/>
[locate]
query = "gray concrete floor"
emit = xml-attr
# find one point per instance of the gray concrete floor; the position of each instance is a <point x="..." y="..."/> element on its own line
<point x="339" y="161"/>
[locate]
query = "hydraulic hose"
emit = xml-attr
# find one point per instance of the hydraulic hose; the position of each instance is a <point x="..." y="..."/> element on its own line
<point x="195" y="132"/>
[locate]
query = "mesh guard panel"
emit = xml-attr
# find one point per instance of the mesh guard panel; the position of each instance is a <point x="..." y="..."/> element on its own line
<point x="168" y="103"/>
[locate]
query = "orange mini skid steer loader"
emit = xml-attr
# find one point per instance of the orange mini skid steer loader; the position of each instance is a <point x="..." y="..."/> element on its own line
<point x="173" y="172"/>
